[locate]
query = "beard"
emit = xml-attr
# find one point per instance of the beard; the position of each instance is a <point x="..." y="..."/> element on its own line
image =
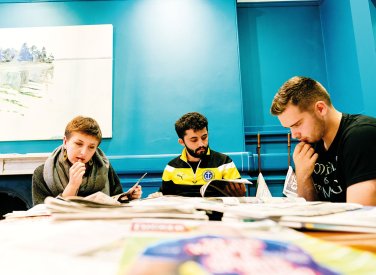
<point x="195" y="153"/>
<point x="319" y="129"/>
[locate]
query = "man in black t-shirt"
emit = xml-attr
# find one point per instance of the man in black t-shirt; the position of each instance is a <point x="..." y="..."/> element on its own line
<point x="336" y="157"/>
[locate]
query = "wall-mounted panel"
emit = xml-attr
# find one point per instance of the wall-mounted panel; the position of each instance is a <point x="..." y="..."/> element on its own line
<point x="350" y="54"/>
<point x="276" y="43"/>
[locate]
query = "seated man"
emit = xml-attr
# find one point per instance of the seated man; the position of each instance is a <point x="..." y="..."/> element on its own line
<point x="335" y="158"/>
<point x="184" y="175"/>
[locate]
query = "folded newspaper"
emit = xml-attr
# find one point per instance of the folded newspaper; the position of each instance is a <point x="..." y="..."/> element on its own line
<point x="81" y="208"/>
<point x="220" y="187"/>
<point x="100" y="199"/>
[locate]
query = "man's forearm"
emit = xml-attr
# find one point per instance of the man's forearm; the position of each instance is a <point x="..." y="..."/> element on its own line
<point x="305" y="159"/>
<point x="306" y="189"/>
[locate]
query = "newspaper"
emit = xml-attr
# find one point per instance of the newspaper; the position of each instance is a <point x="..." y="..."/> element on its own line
<point x="221" y="187"/>
<point x="290" y="187"/>
<point x="262" y="191"/>
<point x="73" y="210"/>
<point x="100" y="199"/>
<point x="360" y="220"/>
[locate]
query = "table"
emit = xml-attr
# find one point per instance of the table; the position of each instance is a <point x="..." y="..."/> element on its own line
<point x="43" y="246"/>
<point x="363" y="241"/>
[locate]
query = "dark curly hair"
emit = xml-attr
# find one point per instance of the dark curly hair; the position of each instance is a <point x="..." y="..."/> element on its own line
<point x="193" y="120"/>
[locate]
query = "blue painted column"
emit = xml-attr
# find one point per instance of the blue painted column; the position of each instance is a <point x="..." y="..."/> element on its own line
<point x="365" y="52"/>
<point x="350" y="54"/>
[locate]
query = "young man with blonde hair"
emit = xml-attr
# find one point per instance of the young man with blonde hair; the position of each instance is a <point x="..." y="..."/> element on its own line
<point x="335" y="159"/>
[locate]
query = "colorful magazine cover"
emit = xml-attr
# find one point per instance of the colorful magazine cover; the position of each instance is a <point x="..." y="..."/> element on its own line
<point x="211" y="254"/>
<point x="229" y="254"/>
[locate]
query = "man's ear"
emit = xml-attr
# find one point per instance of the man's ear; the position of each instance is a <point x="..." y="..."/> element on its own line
<point x="321" y="108"/>
<point x="181" y="142"/>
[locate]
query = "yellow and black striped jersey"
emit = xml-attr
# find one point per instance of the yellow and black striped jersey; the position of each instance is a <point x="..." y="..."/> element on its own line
<point x="180" y="178"/>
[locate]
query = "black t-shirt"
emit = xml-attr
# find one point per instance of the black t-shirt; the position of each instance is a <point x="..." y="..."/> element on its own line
<point x="351" y="158"/>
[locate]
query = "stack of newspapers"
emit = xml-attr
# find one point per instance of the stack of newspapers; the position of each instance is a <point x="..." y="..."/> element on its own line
<point x="102" y="206"/>
<point x="292" y="212"/>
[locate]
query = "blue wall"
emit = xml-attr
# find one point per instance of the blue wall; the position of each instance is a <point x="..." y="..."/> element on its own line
<point x="170" y="57"/>
<point x="220" y="58"/>
<point x="332" y="41"/>
<point x="350" y="54"/>
<point x="372" y="9"/>
<point x="277" y="41"/>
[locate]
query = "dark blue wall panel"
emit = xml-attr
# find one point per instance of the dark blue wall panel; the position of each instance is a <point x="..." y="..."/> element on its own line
<point x="276" y="43"/>
<point x="372" y="9"/>
<point x="350" y="54"/>
<point x="365" y="52"/>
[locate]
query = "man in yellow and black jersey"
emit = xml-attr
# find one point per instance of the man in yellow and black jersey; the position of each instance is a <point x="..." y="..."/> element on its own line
<point x="197" y="164"/>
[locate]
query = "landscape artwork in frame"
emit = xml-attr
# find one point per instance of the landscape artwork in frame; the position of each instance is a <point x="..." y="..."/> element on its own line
<point x="48" y="75"/>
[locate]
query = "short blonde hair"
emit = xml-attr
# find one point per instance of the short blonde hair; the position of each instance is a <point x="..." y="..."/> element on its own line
<point x="300" y="91"/>
<point x="86" y="125"/>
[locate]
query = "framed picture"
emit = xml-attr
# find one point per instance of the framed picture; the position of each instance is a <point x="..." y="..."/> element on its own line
<point x="48" y="75"/>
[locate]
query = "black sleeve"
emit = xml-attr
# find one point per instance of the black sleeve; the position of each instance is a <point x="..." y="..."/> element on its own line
<point x="359" y="151"/>
<point x="115" y="185"/>
<point x="39" y="189"/>
<point x="167" y="188"/>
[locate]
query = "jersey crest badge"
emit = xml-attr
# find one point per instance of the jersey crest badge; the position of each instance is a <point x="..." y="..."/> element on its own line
<point x="207" y="175"/>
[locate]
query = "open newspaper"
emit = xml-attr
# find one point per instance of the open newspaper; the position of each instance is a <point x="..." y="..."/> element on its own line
<point x="221" y="187"/>
<point x="290" y="187"/>
<point x="100" y="199"/>
<point x="36" y="211"/>
<point x="359" y="220"/>
<point x="96" y="200"/>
